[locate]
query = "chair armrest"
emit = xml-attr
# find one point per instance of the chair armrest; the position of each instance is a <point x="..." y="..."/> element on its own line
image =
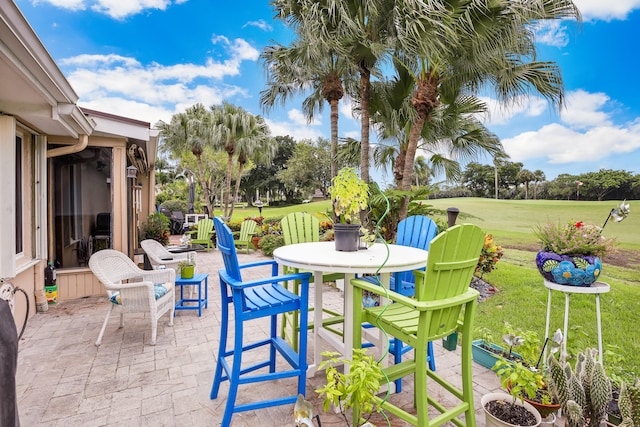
<point x="191" y="232"/>
<point x="302" y="277"/>
<point x="159" y="276"/>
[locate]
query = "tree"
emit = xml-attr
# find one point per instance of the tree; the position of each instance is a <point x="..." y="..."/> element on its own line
<point x="190" y="131"/>
<point x="478" y="178"/>
<point x="303" y="68"/>
<point x="525" y="176"/>
<point x="498" y="158"/>
<point x="308" y="169"/>
<point x="604" y="182"/>
<point x="480" y="45"/>
<point x="538" y="177"/>
<point x="235" y="129"/>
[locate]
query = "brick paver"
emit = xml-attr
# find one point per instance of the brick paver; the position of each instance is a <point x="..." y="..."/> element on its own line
<point x="64" y="380"/>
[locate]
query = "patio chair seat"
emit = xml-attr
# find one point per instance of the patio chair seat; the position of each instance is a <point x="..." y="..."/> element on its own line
<point x="442" y="293"/>
<point x="132" y="290"/>
<point x="252" y="300"/>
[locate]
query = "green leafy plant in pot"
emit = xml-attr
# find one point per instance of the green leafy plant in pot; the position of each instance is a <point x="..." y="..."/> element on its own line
<point x="350" y="195"/>
<point x="354" y="389"/>
<point x="187" y="268"/>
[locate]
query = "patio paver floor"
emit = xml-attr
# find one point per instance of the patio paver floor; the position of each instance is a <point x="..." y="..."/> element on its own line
<point x="64" y="380"/>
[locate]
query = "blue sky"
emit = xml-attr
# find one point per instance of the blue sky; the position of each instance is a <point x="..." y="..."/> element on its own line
<point x="148" y="59"/>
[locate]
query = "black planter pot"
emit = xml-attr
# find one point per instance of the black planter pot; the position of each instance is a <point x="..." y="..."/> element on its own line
<point x="347" y="237"/>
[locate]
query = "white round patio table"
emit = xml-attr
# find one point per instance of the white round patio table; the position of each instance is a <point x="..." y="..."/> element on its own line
<point x="322" y="257"/>
<point x="596" y="289"/>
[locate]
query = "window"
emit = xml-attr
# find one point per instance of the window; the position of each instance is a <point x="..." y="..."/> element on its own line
<point x="19" y="200"/>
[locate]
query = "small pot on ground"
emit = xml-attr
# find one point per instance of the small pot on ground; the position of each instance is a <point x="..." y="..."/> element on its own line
<point x="502" y="405"/>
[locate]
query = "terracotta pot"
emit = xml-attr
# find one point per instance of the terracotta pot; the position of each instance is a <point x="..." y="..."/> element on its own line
<point x="255" y="240"/>
<point x="544" y="409"/>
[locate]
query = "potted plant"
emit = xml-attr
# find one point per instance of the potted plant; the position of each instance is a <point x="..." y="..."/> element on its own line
<point x="584" y="391"/>
<point x="354" y="389"/>
<point x="570" y="252"/>
<point x="187" y="268"/>
<point x="350" y="196"/>
<point x="486" y="352"/>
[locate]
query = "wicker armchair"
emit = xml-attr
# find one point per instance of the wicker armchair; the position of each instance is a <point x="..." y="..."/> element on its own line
<point x="132" y="290"/>
<point x="159" y="255"/>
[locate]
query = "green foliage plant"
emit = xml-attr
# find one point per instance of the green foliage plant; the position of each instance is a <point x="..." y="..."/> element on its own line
<point x="270" y="242"/>
<point x="583" y="392"/>
<point x="156" y="227"/>
<point x="489" y="256"/>
<point x="573" y="238"/>
<point x="354" y="389"/>
<point x="350" y="196"/>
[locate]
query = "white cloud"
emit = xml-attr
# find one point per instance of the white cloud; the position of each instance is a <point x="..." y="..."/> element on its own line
<point x="114" y="83"/>
<point x="582" y="110"/>
<point x="551" y="33"/>
<point x="499" y="114"/>
<point x="561" y="145"/>
<point x="296" y="131"/>
<point x="117" y="9"/>
<point x="260" y="23"/>
<point x="606" y="10"/>
<point x="298" y="118"/>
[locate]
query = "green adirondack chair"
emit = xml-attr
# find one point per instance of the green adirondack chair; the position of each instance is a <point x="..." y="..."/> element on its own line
<point x="203" y="233"/>
<point x="300" y="227"/>
<point x="247" y="230"/>
<point x="441" y="292"/>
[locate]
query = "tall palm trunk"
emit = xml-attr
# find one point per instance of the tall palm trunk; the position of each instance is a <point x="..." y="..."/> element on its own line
<point x="333" y="92"/>
<point x="229" y="176"/>
<point x="424" y="100"/>
<point x="365" y="92"/>
<point x="241" y="163"/>
<point x="205" y="185"/>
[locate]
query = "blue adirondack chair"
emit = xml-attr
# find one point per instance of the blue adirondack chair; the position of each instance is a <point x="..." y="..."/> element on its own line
<point x="415" y="231"/>
<point x="251" y="300"/>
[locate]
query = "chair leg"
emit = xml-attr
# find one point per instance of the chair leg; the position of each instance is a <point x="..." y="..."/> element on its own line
<point x="222" y="348"/>
<point x="104" y="325"/>
<point x="431" y="357"/>
<point x="234" y="376"/>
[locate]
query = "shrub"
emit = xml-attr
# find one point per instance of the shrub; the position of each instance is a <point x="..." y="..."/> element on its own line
<point x="489" y="256"/>
<point x="156" y="227"/>
<point x="175" y="205"/>
<point x="270" y="243"/>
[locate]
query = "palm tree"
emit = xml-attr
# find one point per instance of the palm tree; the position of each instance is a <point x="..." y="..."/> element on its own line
<point x="453" y="134"/>
<point x="302" y="68"/>
<point x="525" y="176"/>
<point x="538" y="176"/>
<point x="355" y="30"/>
<point x="191" y="131"/>
<point x="498" y="159"/>
<point x="234" y="129"/>
<point x="478" y="45"/>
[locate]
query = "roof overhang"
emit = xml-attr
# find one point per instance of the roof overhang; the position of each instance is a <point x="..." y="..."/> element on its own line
<point x="32" y="87"/>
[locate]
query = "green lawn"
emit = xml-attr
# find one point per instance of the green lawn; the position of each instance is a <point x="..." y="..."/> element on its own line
<point x="521" y="299"/>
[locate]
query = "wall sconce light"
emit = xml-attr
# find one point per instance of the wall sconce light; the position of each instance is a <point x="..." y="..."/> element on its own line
<point x="132" y="172"/>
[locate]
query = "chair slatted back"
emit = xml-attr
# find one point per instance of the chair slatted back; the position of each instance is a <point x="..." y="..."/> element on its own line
<point x="453" y="256"/>
<point x="227" y="247"/>
<point x="247" y="229"/>
<point x="300" y="227"/>
<point x="416" y="231"/>
<point x="205" y="227"/>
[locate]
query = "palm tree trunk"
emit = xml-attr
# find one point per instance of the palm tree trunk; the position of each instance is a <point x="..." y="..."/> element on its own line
<point x="410" y="156"/>
<point x="365" y="91"/>
<point x="334" y="136"/>
<point x="228" y="192"/>
<point x="235" y="197"/>
<point x="205" y="186"/>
